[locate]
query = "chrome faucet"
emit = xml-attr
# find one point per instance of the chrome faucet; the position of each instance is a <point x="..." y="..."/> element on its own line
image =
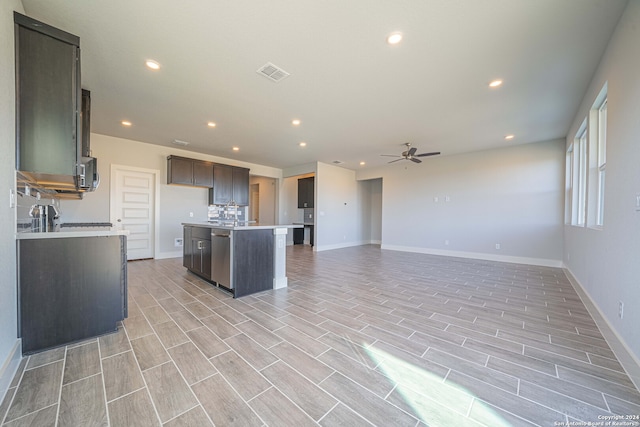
<point x="231" y="203"/>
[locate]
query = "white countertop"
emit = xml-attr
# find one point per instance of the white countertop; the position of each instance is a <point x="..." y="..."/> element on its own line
<point x="208" y="224"/>
<point x="89" y="232"/>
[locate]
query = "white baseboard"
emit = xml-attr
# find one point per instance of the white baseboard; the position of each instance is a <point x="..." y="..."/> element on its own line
<point x="9" y="367"/>
<point x="477" y="255"/>
<point x="165" y="255"/>
<point x="337" y="246"/>
<point x="626" y="357"/>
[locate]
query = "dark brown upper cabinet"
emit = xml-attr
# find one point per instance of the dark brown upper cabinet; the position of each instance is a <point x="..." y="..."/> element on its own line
<point x="306" y="192"/>
<point x="193" y="172"/>
<point x="48" y="101"/>
<point x="230" y="184"/>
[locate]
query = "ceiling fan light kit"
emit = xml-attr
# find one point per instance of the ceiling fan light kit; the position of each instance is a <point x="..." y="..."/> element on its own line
<point x="410" y="154"/>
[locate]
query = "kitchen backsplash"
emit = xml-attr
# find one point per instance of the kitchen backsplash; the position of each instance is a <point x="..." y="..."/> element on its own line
<point x="223" y="212"/>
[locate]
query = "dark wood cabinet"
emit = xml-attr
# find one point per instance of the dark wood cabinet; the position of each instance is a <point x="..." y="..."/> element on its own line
<point x="192" y="172"/>
<point x="306" y="192"/>
<point x="179" y="170"/>
<point x="252" y="261"/>
<point x="241" y="186"/>
<point x="202" y="174"/>
<point x="222" y="191"/>
<point x="85" y="120"/>
<point x="197" y="250"/>
<point x="186" y="247"/>
<point x="48" y="101"/>
<point x="230" y="183"/>
<point x="70" y="289"/>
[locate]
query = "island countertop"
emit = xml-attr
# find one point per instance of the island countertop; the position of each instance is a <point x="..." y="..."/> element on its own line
<point x="88" y="232"/>
<point x="240" y="226"/>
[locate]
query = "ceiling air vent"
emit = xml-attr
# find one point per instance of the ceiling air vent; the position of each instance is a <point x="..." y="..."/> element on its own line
<point x="337" y="162"/>
<point x="182" y="143"/>
<point x="273" y="73"/>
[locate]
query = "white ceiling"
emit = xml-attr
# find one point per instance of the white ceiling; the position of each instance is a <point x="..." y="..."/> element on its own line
<point x="357" y="96"/>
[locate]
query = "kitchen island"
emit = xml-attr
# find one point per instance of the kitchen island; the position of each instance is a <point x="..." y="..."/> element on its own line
<point x="240" y="257"/>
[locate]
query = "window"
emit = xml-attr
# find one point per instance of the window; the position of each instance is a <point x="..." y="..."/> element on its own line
<point x="580" y="176"/>
<point x="586" y="164"/>
<point x="602" y="160"/>
<point x="568" y="186"/>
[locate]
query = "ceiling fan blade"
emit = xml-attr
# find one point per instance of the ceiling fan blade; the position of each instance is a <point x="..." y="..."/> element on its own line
<point x="396" y="160"/>
<point x="415" y="160"/>
<point x="412" y="151"/>
<point x="435" y="153"/>
<point x="389" y="155"/>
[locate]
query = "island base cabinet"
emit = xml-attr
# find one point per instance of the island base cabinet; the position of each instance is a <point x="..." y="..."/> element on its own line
<point x="252" y="261"/>
<point x="70" y="289"/>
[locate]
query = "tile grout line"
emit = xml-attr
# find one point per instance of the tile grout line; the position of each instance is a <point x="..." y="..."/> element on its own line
<point x="104" y="387"/>
<point x="143" y="378"/>
<point x="64" y="366"/>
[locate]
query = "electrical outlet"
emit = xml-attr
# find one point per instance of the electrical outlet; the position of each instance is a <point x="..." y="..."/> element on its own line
<point x="191" y="214"/>
<point x="497" y="245"/>
<point x="620" y="309"/>
<point x="435" y="199"/>
<point x="177" y="242"/>
<point x="447" y="198"/>
<point x="446" y="243"/>
<point x="12" y="198"/>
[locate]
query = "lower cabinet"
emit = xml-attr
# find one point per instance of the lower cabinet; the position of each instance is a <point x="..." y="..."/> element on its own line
<point x="197" y="250"/>
<point x="70" y="289"/>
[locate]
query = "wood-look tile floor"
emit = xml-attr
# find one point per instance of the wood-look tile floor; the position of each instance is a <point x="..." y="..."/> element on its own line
<point x="360" y="337"/>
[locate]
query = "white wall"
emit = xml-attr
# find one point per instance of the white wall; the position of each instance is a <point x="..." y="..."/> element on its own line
<point x="605" y="262"/>
<point x="511" y="196"/>
<point x="8" y="294"/>
<point x="176" y="202"/>
<point x="336" y="205"/>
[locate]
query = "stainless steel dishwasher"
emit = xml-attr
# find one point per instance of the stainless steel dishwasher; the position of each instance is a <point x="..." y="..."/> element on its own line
<point x="221" y="257"/>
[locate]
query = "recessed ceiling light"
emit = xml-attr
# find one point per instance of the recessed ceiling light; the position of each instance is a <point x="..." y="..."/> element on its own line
<point x="362" y="163"/>
<point x="295" y="122"/>
<point x="211" y="124"/>
<point x="495" y="83"/>
<point x="509" y="137"/>
<point x="125" y="123"/>
<point x="236" y="148"/>
<point x="303" y="144"/>
<point x="150" y="63"/>
<point x="394" y="38"/>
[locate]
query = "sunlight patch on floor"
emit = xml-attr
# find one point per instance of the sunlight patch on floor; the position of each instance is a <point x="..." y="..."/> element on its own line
<point x="426" y="396"/>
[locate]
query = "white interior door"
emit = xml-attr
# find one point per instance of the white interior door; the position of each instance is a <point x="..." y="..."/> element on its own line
<point x="133" y="193"/>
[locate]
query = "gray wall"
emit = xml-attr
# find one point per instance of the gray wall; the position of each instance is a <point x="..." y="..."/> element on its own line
<point x="8" y="312"/>
<point x="337" y="208"/>
<point x="605" y="262"/>
<point x="511" y="196"/>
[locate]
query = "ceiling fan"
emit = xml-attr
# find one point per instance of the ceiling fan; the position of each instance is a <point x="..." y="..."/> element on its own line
<point x="410" y="154"/>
